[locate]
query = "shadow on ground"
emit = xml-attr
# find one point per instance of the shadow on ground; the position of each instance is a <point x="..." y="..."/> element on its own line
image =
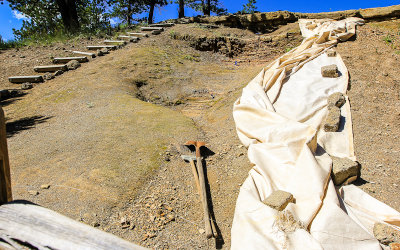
<point x="17" y="126"/>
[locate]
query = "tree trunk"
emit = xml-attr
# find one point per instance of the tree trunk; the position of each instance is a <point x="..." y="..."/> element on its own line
<point x="129" y="17"/>
<point x="203" y="7"/>
<point x="208" y="8"/>
<point x="69" y="14"/>
<point x="181" y="9"/>
<point x="151" y="12"/>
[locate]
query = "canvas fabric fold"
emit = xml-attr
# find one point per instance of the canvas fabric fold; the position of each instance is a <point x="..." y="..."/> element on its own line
<point x="279" y="118"/>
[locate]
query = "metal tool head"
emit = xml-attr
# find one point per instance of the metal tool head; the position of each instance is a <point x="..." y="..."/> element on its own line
<point x="197" y="145"/>
<point x="188" y="157"/>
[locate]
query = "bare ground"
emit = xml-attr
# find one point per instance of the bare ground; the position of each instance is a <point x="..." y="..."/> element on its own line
<point x="113" y="161"/>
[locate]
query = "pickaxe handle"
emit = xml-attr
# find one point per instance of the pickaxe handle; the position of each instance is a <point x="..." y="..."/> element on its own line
<point x="200" y="168"/>
<point x="196" y="179"/>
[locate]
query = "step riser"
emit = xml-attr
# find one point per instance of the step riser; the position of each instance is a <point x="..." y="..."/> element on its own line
<point x="22" y="79"/>
<point x="92" y="55"/>
<point x="81" y="59"/>
<point x="95" y="47"/>
<point x="50" y="68"/>
<point x="151" y="28"/>
<point x="139" y="34"/>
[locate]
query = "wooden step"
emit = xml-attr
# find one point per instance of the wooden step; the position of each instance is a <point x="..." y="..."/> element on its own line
<point x="22" y="79"/>
<point x="92" y="55"/>
<point x="50" y="68"/>
<point x="96" y="47"/>
<point x="162" y="25"/>
<point x="80" y="59"/>
<point x="151" y="28"/>
<point x="133" y="39"/>
<point x="138" y="34"/>
<point x="156" y="32"/>
<point x="115" y="42"/>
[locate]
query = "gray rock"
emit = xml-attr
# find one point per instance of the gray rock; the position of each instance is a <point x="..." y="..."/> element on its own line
<point x="26" y="85"/>
<point x="58" y="72"/>
<point x="102" y="52"/>
<point x="343" y="169"/>
<point x="278" y="200"/>
<point x="74" y="64"/>
<point x="336" y="99"/>
<point x="331" y="53"/>
<point x="386" y="234"/>
<point x="332" y="121"/>
<point x="48" y="76"/>
<point x="330" y="71"/>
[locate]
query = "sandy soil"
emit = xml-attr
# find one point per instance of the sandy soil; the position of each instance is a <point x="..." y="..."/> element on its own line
<point x="113" y="161"/>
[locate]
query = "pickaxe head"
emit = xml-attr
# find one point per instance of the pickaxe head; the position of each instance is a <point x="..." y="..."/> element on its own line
<point x="197" y="145"/>
<point x="189" y="158"/>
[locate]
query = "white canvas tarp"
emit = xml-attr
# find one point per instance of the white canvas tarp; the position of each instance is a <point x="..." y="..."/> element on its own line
<point x="279" y="117"/>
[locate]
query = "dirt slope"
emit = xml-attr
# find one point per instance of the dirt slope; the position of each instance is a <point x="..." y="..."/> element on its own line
<point x="106" y="136"/>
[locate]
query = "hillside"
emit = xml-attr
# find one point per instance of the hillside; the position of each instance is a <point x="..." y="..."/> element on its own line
<point x="106" y="137"/>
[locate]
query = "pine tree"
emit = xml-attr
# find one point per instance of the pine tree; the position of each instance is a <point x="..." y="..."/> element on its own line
<point x="250" y="7"/>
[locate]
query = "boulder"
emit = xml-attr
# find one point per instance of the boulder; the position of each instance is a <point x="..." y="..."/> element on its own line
<point x="26" y="85"/>
<point x="58" y="72"/>
<point x="49" y="76"/>
<point x="343" y="169"/>
<point x="332" y="121"/>
<point x="74" y="64"/>
<point x="331" y="53"/>
<point x="386" y="234"/>
<point x="336" y="99"/>
<point x="278" y="200"/>
<point x="330" y="71"/>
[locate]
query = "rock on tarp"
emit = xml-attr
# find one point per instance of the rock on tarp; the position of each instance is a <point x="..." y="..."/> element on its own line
<point x="278" y="118"/>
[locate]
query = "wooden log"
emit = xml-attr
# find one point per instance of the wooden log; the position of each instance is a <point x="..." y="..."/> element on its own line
<point x="96" y="47"/>
<point x="151" y="28"/>
<point x="80" y="59"/>
<point x="156" y="32"/>
<point x="45" y="229"/>
<point x="162" y="25"/>
<point x="22" y="79"/>
<point x="92" y="55"/>
<point x="5" y="178"/>
<point x="115" y="42"/>
<point x="138" y="34"/>
<point x="50" y="68"/>
<point x="129" y="38"/>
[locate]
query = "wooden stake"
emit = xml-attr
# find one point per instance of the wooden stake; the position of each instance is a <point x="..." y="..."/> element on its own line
<point x="5" y="178"/>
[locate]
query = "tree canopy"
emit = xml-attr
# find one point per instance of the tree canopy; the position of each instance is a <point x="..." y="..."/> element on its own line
<point x="51" y="16"/>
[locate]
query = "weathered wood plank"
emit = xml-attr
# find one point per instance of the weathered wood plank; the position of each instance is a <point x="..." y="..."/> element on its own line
<point x="129" y="38"/>
<point x="156" y="32"/>
<point x="80" y="59"/>
<point x="114" y="42"/>
<point x="50" y="68"/>
<point x="22" y="79"/>
<point x="92" y="55"/>
<point x="138" y="34"/>
<point x="5" y="179"/>
<point x="96" y="47"/>
<point x="151" y="28"/>
<point x="162" y="25"/>
<point x="44" y="228"/>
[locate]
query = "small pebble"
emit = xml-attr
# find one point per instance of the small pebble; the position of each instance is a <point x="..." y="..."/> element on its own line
<point x="45" y="186"/>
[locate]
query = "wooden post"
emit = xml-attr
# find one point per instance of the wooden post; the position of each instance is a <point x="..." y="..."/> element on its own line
<point x="5" y="178"/>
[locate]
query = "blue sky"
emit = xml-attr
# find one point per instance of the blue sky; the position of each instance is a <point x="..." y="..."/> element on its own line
<point x="11" y="19"/>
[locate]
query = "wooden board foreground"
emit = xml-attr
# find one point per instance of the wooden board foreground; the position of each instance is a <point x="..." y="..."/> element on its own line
<point x="46" y="229"/>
